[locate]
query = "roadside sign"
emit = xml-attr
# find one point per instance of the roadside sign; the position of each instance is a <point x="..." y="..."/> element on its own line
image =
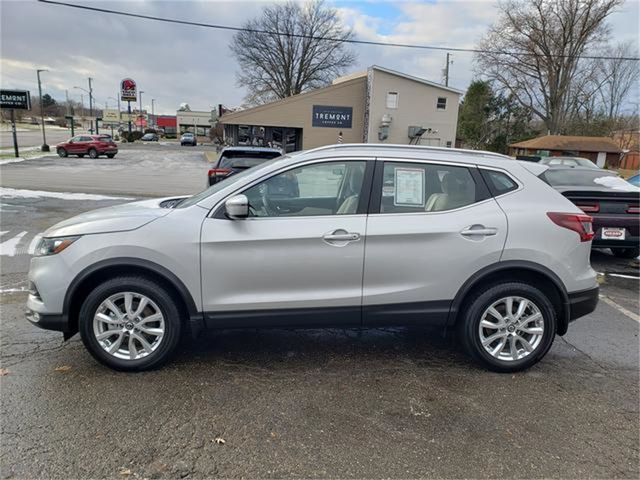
<point x="17" y="99"/>
<point x="110" y="116"/>
<point x="128" y="90"/>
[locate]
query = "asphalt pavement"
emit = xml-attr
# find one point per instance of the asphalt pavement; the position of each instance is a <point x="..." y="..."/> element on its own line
<point x="377" y="403"/>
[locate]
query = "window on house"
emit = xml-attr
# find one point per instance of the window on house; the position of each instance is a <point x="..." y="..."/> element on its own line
<point x="392" y="99"/>
<point x="449" y="144"/>
<point x="442" y="103"/>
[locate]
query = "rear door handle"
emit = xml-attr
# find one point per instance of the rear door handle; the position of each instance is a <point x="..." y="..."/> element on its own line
<point x="479" y="230"/>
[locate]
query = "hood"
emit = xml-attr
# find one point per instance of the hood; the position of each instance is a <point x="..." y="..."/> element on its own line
<point x="119" y="218"/>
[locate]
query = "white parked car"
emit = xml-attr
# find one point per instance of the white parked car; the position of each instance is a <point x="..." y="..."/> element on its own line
<point x="341" y="236"/>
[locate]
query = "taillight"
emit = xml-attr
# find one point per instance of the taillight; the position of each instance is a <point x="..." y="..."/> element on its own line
<point x="219" y="172"/>
<point x="590" y="208"/>
<point x="635" y="210"/>
<point x="581" y="224"/>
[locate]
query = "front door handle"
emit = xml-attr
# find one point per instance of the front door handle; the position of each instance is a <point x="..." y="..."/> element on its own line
<point x="479" y="230"/>
<point x="340" y="236"/>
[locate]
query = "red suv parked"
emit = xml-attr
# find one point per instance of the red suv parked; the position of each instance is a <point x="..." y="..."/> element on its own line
<point x="92" y="145"/>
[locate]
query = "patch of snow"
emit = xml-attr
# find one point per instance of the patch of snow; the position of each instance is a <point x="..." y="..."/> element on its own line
<point x="19" y="193"/>
<point x="14" y="290"/>
<point x="10" y="247"/>
<point x="22" y="159"/>
<point x="12" y="160"/>
<point x="616" y="183"/>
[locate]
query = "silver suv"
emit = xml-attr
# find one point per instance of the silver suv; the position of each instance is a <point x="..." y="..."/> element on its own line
<point x="341" y="236"/>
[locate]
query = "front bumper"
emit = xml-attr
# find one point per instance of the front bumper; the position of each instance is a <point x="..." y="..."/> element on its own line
<point x="59" y="323"/>
<point x="583" y="302"/>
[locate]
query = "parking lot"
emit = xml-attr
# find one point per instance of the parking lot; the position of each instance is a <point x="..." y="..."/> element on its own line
<point x="378" y="403"/>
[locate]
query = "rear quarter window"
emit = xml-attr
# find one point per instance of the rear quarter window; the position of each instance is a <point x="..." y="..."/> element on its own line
<point x="499" y="182"/>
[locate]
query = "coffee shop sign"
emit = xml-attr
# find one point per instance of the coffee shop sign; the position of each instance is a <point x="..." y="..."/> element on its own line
<point x="331" y="116"/>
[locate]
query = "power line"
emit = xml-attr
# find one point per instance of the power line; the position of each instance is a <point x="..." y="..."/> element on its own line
<point x="313" y="37"/>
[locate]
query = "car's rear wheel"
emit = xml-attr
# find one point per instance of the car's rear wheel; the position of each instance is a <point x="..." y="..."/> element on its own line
<point x="130" y="323"/>
<point x="62" y="152"/>
<point x="626" y="252"/>
<point x="508" y="327"/>
<point x="93" y="153"/>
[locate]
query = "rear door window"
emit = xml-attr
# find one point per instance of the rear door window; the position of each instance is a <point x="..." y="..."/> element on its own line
<point x="241" y="159"/>
<point x="409" y="187"/>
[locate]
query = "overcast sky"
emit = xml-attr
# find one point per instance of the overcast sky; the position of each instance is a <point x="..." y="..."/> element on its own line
<point x="175" y="64"/>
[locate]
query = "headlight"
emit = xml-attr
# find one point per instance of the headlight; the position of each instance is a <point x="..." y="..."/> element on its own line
<point x="51" y="246"/>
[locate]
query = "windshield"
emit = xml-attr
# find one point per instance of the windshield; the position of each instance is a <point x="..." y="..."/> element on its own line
<point x="575" y="177"/>
<point x="216" y="187"/>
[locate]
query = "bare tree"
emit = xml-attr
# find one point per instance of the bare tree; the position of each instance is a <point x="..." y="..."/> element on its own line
<point x="303" y="49"/>
<point x="534" y="51"/>
<point x="620" y="78"/>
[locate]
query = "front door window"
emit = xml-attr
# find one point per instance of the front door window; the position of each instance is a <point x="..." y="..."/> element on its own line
<point x="331" y="188"/>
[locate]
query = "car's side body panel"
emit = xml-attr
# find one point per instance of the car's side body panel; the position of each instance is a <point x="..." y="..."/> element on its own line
<point x="533" y="237"/>
<point x="277" y="263"/>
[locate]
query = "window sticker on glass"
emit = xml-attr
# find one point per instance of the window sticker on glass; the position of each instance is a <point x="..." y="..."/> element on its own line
<point x="409" y="186"/>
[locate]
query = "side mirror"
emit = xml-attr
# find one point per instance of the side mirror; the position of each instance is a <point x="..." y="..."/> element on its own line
<point x="237" y="207"/>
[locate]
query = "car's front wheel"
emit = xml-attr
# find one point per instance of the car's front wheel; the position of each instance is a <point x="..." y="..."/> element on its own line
<point x="508" y="327"/>
<point x="62" y="152"/>
<point x="626" y="252"/>
<point x="130" y="323"/>
<point x="93" y="153"/>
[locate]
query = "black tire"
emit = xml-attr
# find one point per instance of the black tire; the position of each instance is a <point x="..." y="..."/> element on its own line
<point x="111" y="155"/>
<point x="141" y="285"/>
<point x="626" y="252"/>
<point x="62" y="152"/>
<point x="471" y="315"/>
<point x="93" y="153"/>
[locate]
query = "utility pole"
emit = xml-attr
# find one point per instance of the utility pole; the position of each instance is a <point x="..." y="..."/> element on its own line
<point x="446" y="70"/>
<point x="91" y="104"/>
<point x="153" y="112"/>
<point x="66" y="94"/>
<point x="45" y="147"/>
<point x="140" y="112"/>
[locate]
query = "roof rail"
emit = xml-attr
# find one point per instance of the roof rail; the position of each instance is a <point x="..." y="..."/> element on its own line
<point x="391" y="146"/>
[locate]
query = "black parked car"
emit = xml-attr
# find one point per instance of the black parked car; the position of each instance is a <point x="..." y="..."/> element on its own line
<point x="611" y="201"/>
<point x="150" y="137"/>
<point x="235" y="159"/>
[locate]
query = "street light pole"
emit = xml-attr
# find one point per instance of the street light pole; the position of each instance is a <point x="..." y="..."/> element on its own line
<point x="153" y="112"/>
<point x="91" y="104"/>
<point x="45" y="147"/>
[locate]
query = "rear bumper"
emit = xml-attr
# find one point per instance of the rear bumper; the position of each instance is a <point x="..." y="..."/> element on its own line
<point x="583" y="303"/>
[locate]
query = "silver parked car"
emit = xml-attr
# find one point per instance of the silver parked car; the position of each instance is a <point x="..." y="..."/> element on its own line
<point x="371" y="235"/>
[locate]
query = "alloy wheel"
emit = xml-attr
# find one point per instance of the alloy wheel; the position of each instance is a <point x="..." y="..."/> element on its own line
<point x="128" y="325"/>
<point x="511" y="328"/>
